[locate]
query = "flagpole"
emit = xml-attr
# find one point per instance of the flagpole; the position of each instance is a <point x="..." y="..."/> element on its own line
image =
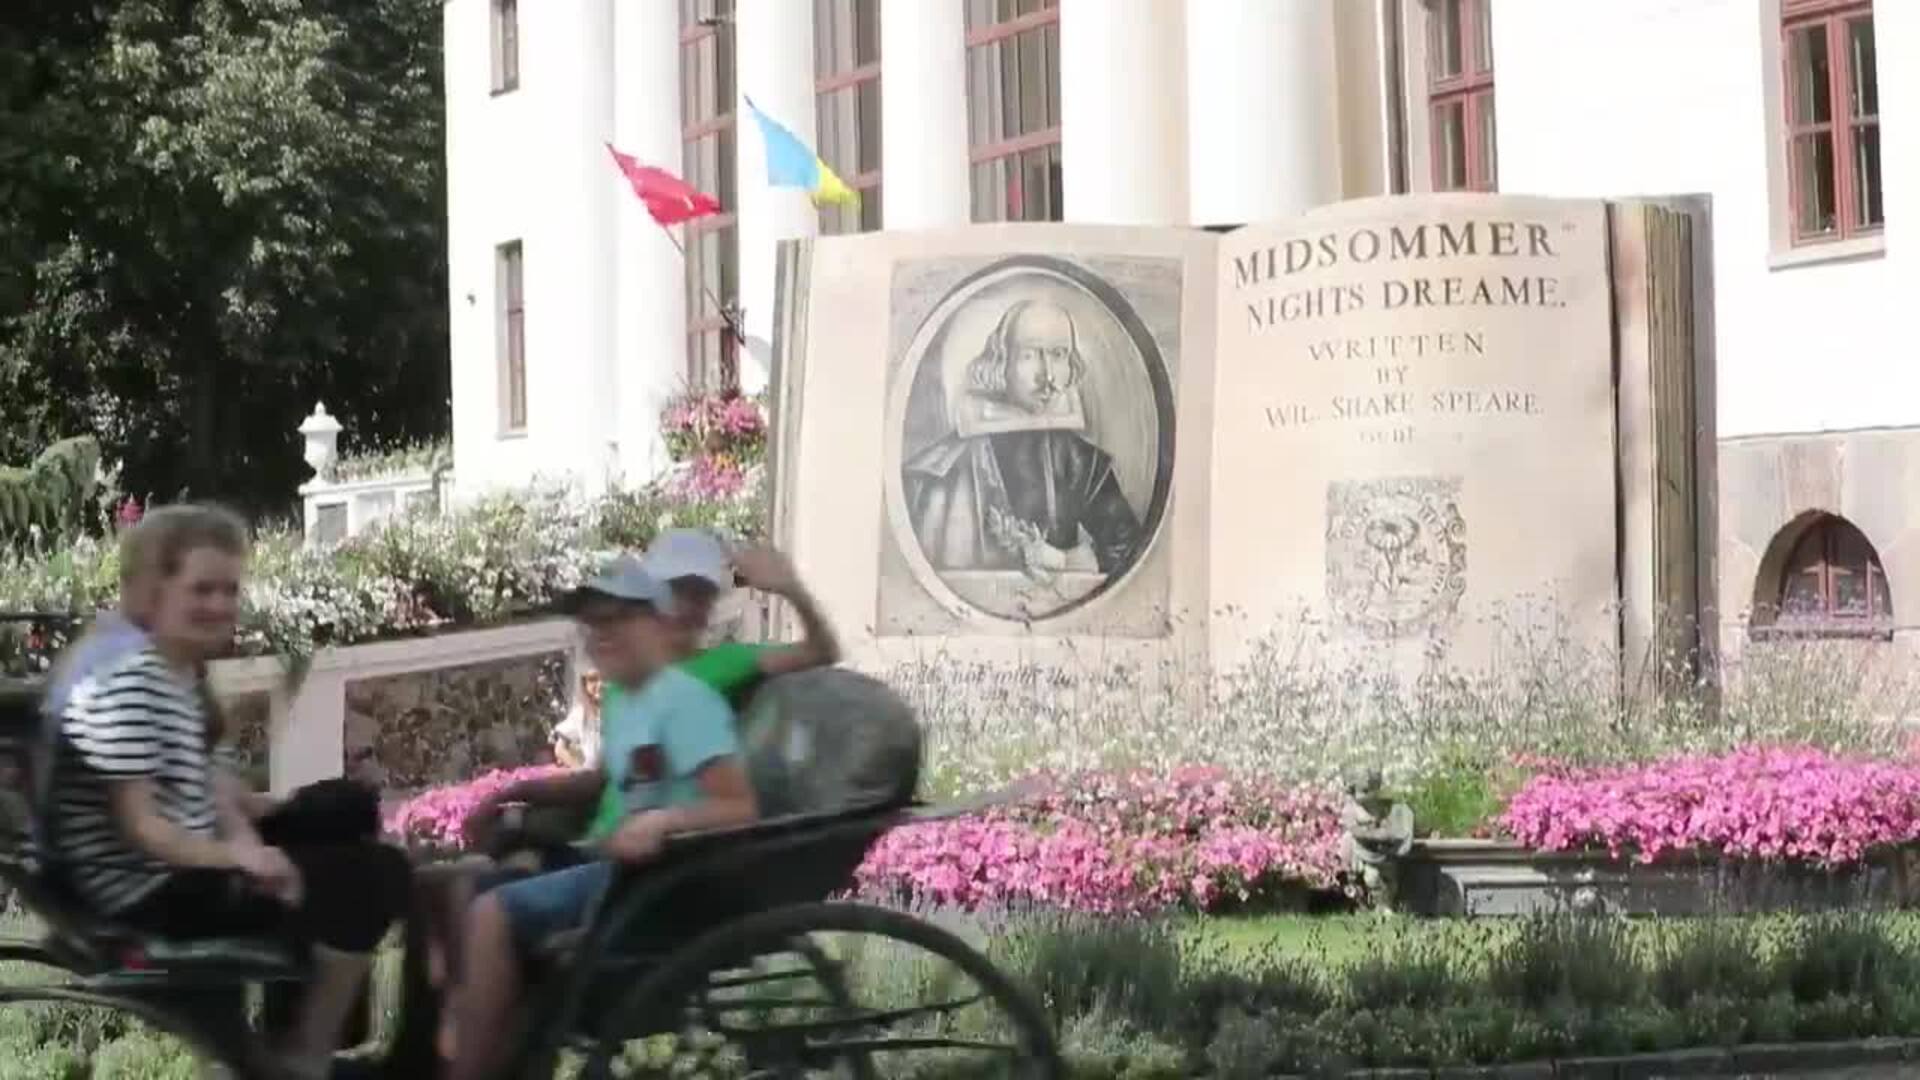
<point x="727" y="313"/>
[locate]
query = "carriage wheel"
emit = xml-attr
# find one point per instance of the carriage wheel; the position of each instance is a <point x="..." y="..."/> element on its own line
<point x="827" y="990"/>
<point x="75" y="1032"/>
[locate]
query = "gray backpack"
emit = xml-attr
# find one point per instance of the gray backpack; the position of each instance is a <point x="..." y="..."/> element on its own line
<point x="829" y="740"/>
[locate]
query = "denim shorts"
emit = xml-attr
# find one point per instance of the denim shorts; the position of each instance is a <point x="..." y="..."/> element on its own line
<point x="541" y="906"/>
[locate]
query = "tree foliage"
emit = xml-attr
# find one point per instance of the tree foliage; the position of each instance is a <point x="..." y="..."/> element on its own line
<point x="212" y="214"/>
<point x="48" y="500"/>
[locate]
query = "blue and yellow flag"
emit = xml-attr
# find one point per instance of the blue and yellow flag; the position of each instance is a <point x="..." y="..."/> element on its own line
<point x="791" y="164"/>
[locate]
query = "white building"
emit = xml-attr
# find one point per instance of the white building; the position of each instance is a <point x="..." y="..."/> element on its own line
<point x="574" y="316"/>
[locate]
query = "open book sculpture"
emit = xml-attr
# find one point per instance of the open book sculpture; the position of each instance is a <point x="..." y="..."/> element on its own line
<point x="1407" y="418"/>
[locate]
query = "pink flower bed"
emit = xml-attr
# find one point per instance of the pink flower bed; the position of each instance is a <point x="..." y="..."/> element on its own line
<point x="1793" y="805"/>
<point x="1118" y="844"/>
<point x="433" y="818"/>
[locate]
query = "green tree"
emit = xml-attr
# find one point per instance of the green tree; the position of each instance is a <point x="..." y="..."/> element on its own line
<point x="212" y="214"/>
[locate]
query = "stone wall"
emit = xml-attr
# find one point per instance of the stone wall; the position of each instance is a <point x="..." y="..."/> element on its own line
<point x="424" y="729"/>
<point x="407" y="732"/>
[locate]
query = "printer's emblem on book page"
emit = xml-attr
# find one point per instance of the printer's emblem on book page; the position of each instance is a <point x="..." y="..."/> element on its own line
<point x="1396" y="554"/>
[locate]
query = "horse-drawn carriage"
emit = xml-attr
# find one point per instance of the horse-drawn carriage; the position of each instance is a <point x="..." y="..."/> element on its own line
<point x="730" y="957"/>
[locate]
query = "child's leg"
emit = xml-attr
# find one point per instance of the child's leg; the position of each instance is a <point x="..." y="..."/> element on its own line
<point x="503" y="926"/>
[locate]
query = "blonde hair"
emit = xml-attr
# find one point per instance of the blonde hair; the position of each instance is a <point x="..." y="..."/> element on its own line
<point x="155" y="547"/>
<point x="161" y="541"/>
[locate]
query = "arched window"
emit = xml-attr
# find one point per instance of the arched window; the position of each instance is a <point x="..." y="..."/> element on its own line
<point x="1832" y="580"/>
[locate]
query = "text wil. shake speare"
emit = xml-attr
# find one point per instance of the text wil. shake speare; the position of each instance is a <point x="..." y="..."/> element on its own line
<point x="1290" y="275"/>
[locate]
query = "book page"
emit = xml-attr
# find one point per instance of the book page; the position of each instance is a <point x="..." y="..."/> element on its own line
<point x="993" y="440"/>
<point x="1414" y="439"/>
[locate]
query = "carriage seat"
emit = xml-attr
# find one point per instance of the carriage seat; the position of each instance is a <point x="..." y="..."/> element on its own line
<point x="75" y="936"/>
<point x="822" y="747"/>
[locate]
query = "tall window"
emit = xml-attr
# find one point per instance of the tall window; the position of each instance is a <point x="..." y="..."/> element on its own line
<point x="506" y="45"/>
<point x="713" y="243"/>
<point x="1833" y="118"/>
<point x="1460" y="95"/>
<point x="510" y="296"/>
<point x="1833" y="582"/>
<point x="1013" y="109"/>
<point x="846" y="53"/>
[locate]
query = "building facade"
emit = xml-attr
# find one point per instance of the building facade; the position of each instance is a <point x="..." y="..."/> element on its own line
<point x="575" y="317"/>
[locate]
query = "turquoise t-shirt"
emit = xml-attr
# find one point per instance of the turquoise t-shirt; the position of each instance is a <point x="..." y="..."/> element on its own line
<point x="731" y="669"/>
<point x="655" y="742"/>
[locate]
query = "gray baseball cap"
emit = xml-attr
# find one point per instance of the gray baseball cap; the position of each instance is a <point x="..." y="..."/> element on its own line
<point x="698" y="553"/>
<point x="622" y="579"/>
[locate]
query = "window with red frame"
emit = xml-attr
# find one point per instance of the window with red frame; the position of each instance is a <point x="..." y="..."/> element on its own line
<point x="846" y="50"/>
<point x="1013" y="109"/>
<point x="1832" y="99"/>
<point x="1460" y="95"/>
<point x="1833" y="582"/>
<point x="712" y="243"/>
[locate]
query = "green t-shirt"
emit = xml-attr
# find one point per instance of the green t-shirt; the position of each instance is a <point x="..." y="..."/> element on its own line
<point x="732" y="670"/>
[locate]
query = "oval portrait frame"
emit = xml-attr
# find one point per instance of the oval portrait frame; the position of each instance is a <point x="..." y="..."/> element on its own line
<point x="1159" y="382"/>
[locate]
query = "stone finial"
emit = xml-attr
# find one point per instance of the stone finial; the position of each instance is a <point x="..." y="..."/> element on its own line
<point x="322" y="434"/>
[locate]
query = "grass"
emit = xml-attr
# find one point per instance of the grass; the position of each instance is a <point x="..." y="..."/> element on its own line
<point x="1333" y="942"/>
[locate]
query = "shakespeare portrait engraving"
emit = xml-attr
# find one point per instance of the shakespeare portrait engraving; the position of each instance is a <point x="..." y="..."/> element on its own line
<point x="1396" y="554"/>
<point x="1035" y="442"/>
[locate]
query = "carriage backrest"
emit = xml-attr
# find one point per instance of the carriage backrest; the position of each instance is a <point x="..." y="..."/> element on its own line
<point x="21" y="726"/>
<point x="830" y="740"/>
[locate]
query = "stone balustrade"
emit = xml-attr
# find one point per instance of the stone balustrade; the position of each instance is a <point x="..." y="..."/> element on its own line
<point x="337" y="504"/>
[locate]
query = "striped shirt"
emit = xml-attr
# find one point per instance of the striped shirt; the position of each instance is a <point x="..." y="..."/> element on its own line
<point x="136" y="718"/>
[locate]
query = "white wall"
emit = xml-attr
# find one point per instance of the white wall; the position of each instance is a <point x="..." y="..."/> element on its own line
<point x="1670" y="96"/>
<point x="531" y="165"/>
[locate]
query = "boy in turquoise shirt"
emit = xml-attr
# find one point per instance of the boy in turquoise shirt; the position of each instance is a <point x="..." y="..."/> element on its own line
<point x="649" y="733"/>
<point x="669" y="750"/>
<point x="700" y="568"/>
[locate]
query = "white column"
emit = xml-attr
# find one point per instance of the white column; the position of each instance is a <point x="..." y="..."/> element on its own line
<point x="1262" y="133"/>
<point x="774" y="64"/>
<point x="923" y="130"/>
<point x="1123" y="114"/>
<point x="567" y="72"/>
<point x="650" y="303"/>
<point x="307" y="736"/>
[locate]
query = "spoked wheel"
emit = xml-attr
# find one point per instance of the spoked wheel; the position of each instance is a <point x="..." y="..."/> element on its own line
<point x="65" y="1032"/>
<point x="826" y="990"/>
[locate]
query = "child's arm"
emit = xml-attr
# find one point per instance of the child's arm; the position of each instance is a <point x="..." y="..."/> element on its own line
<point x="574" y="788"/>
<point x="569" y="788"/>
<point x="767" y="569"/>
<point x="727" y="801"/>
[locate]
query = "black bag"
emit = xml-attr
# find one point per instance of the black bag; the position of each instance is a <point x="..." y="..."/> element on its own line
<point x="330" y="813"/>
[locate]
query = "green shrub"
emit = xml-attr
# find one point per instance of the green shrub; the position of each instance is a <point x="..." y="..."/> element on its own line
<point x="44" y="505"/>
<point x="1710" y="957"/>
<point x="1460" y="795"/>
<point x="1771" y="1019"/>
<point x="1846" y="955"/>
<point x="1420" y="973"/>
<point x="1842" y="1016"/>
<point x="1246" y="1046"/>
<point x="1102" y="1045"/>
<point x="1459" y="995"/>
<point x="1585" y="960"/>
<point x="1077" y="964"/>
<point x="145" y="1057"/>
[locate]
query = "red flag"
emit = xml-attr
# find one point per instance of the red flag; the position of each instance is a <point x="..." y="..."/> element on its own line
<point x="669" y="199"/>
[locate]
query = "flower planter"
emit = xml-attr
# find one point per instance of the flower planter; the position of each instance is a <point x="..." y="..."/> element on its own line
<point x="1440" y="877"/>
